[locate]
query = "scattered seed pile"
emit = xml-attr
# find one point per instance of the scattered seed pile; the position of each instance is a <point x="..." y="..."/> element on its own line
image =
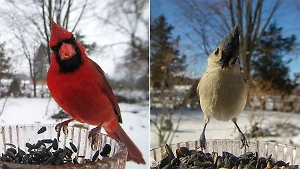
<point x="47" y="152"/>
<point x="192" y="159"/>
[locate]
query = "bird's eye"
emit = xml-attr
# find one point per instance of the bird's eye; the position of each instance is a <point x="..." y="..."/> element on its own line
<point x="217" y="51"/>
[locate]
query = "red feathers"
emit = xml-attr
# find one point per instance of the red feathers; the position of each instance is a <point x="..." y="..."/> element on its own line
<point x="79" y="86"/>
<point x="58" y="34"/>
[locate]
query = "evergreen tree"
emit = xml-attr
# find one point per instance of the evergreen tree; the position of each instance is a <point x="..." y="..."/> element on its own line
<point x="167" y="69"/>
<point x="268" y="63"/>
<point x="40" y="63"/>
<point x="4" y="63"/>
<point x="166" y="62"/>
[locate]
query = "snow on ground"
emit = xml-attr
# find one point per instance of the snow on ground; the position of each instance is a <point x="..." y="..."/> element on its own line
<point x="192" y="124"/>
<point x="33" y="111"/>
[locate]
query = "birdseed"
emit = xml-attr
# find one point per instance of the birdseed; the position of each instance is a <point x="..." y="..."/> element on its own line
<point x="47" y="152"/>
<point x="192" y="159"/>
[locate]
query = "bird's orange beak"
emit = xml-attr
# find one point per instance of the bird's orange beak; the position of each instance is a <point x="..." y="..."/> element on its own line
<point x="66" y="51"/>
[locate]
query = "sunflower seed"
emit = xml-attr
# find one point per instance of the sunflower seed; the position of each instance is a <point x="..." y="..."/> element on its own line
<point x="95" y="156"/>
<point x="42" y="130"/>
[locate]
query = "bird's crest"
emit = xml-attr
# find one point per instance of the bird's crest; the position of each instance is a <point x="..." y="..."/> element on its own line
<point x="58" y="34"/>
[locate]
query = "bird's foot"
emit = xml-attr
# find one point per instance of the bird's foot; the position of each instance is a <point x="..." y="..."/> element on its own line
<point x="202" y="141"/>
<point x="243" y="140"/>
<point x="63" y="125"/>
<point x="94" y="137"/>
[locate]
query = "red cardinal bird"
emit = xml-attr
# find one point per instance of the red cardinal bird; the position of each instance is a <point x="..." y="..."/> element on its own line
<point x="79" y="86"/>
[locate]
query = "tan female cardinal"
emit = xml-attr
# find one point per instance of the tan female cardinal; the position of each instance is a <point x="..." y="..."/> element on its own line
<point x="79" y="86"/>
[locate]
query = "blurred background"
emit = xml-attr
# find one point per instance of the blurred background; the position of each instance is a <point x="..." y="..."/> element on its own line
<point x="184" y="32"/>
<point x="115" y="35"/>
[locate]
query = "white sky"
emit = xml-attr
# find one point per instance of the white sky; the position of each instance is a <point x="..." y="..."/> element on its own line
<point x="93" y="29"/>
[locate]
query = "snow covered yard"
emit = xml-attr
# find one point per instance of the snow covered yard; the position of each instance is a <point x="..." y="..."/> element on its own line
<point x="192" y="124"/>
<point x="33" y="111"/>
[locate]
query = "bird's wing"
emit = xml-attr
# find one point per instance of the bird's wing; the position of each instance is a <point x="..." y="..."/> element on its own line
<point x="108" y="91"/>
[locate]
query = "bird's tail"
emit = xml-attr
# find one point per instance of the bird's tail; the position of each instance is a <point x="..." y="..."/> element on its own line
<point x="134" y="154"/>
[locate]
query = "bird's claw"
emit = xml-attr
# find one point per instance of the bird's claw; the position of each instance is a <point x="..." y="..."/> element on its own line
<point x="65" y="129"/>
<point x="202" y="141"/>
<point x="57" y="129"/>
<point x="243" y="140"/>
<point x="64" y="126"/>
<point x="94" y="137"/>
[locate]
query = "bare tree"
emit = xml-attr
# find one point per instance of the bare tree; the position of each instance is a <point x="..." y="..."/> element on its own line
<point x="30" y="22"/>
<point x="212" y="20"/>
<point x="130" y="19"/>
